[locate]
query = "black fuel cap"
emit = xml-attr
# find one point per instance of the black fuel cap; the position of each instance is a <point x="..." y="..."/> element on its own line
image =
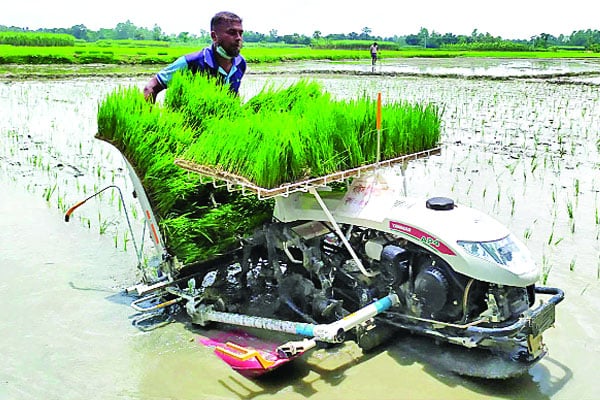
<point x="440" y="203"/>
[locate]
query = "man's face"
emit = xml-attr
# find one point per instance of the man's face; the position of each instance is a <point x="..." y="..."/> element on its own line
<point x="228" y="34"/>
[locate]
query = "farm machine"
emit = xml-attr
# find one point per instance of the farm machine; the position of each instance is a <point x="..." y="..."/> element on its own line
<point x="349" y="257"/>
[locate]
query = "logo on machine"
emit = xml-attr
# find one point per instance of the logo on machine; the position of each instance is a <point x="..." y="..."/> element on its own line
<point x="422" y="236"/>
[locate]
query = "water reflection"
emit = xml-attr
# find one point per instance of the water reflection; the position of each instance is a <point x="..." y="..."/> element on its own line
<point x="444" y="67"/>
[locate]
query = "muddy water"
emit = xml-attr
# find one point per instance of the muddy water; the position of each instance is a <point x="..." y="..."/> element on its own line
<point x="494" y="68"/>
<point x="524" y="151"/>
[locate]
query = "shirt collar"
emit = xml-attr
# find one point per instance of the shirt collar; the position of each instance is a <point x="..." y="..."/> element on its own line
<point x="227" y="75"/>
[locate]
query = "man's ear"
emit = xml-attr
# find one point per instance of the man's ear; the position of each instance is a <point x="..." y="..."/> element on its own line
<point x="213" y="36"/>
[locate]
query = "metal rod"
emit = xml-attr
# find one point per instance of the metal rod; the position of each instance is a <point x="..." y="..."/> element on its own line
<point x="82" y="202"/>
<point x="150" y="218"/>
<point x="378" y="118"/>
<point x="330" y="333"/>
<point x="136" y="304"/>
<point x="269" y="324"/>
<point x="337" y="229"/>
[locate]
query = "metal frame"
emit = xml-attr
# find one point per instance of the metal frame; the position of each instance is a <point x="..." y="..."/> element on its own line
<point x="235" y="182"/>
<point x="239" y="183"/>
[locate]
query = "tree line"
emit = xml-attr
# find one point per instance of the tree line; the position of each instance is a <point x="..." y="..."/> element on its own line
<point x="581" y="38"/>
<point x="589" y="39"/>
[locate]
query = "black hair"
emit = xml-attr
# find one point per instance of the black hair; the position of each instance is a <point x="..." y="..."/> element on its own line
<point x="223" y="16"/>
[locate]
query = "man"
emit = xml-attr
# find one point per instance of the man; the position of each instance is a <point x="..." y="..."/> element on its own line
<point x="374" y="48"/>
<point x="221" y="59"/>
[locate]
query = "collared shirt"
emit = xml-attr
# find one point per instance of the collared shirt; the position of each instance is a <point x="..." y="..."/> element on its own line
<point x="204" y="60"/>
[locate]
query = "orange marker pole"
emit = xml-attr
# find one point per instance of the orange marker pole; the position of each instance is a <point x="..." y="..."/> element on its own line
<point x="378" y="118"/>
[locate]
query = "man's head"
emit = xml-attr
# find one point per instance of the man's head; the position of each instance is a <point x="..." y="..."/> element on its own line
<point x="226" y="31"/>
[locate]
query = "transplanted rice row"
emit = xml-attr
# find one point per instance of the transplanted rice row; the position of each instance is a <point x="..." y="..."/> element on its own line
<point x="280" y="135"/>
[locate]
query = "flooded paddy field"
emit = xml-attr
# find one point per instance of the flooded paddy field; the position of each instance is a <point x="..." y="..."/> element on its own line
<point x="524" y="149"/>
<point x="492" y="68"/>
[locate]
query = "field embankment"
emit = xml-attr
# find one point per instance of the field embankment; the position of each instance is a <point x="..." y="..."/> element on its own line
<point x="135" y="58"/>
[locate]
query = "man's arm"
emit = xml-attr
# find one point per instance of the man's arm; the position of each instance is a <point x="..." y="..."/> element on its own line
<point x="161" y="80"/>
<point x="152" y="89"/>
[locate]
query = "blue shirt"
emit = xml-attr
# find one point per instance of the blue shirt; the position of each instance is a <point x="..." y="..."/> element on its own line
<point x="204" y="61"/>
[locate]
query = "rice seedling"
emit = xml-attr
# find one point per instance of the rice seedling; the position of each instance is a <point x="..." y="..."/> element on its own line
<point x="534" y="164"/>
<point x="102" y="224"/>
<point x="60" y="202"/>
<point x="48" y="192"/>
<point x="125" y="240"/>
<point x="86" y="222"/>
<point x="280" y="135"/>
<point x="512" y="206"/>
<point x="546" y="268"/>
<point x="469" y="188"/>
<point x="570" y="211"/>
<point x="301" y="132"/>
<point x="134" y="211"/>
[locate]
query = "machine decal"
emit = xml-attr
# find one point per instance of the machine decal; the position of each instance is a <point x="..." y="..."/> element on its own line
<point x="422" y="236"/>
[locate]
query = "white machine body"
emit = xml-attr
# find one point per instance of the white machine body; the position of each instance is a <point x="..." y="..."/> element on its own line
<point x="473" y="243"/>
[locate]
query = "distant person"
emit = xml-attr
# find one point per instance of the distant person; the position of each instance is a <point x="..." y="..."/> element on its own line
<point x="221" y="59"/>
<point x="374" y="49"/>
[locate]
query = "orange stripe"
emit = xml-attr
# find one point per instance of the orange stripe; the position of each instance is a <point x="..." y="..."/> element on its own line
<point x="154" y="233"/>
<point x="156" y="240"/>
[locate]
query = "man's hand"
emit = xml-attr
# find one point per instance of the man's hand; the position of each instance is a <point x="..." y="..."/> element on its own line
<point x="152" y="89"/>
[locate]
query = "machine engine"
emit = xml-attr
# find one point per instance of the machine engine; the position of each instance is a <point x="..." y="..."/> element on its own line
<point x="302" y="271"/>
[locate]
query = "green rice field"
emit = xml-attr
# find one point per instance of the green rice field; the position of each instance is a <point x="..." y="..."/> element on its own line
<point x="93" y="54"/>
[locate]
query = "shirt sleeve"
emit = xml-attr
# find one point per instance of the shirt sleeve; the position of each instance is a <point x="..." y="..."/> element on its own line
<point x="166" y="74"/>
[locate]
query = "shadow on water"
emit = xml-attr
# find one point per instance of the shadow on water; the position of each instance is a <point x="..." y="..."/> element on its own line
<point x="447" y="363"/>
<point x="325" y="365"/>
<point x="290" y="375"/>
<point x="299" y="376"/>
<point x="544" y="377"/>
<point x="116" y="296"/>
